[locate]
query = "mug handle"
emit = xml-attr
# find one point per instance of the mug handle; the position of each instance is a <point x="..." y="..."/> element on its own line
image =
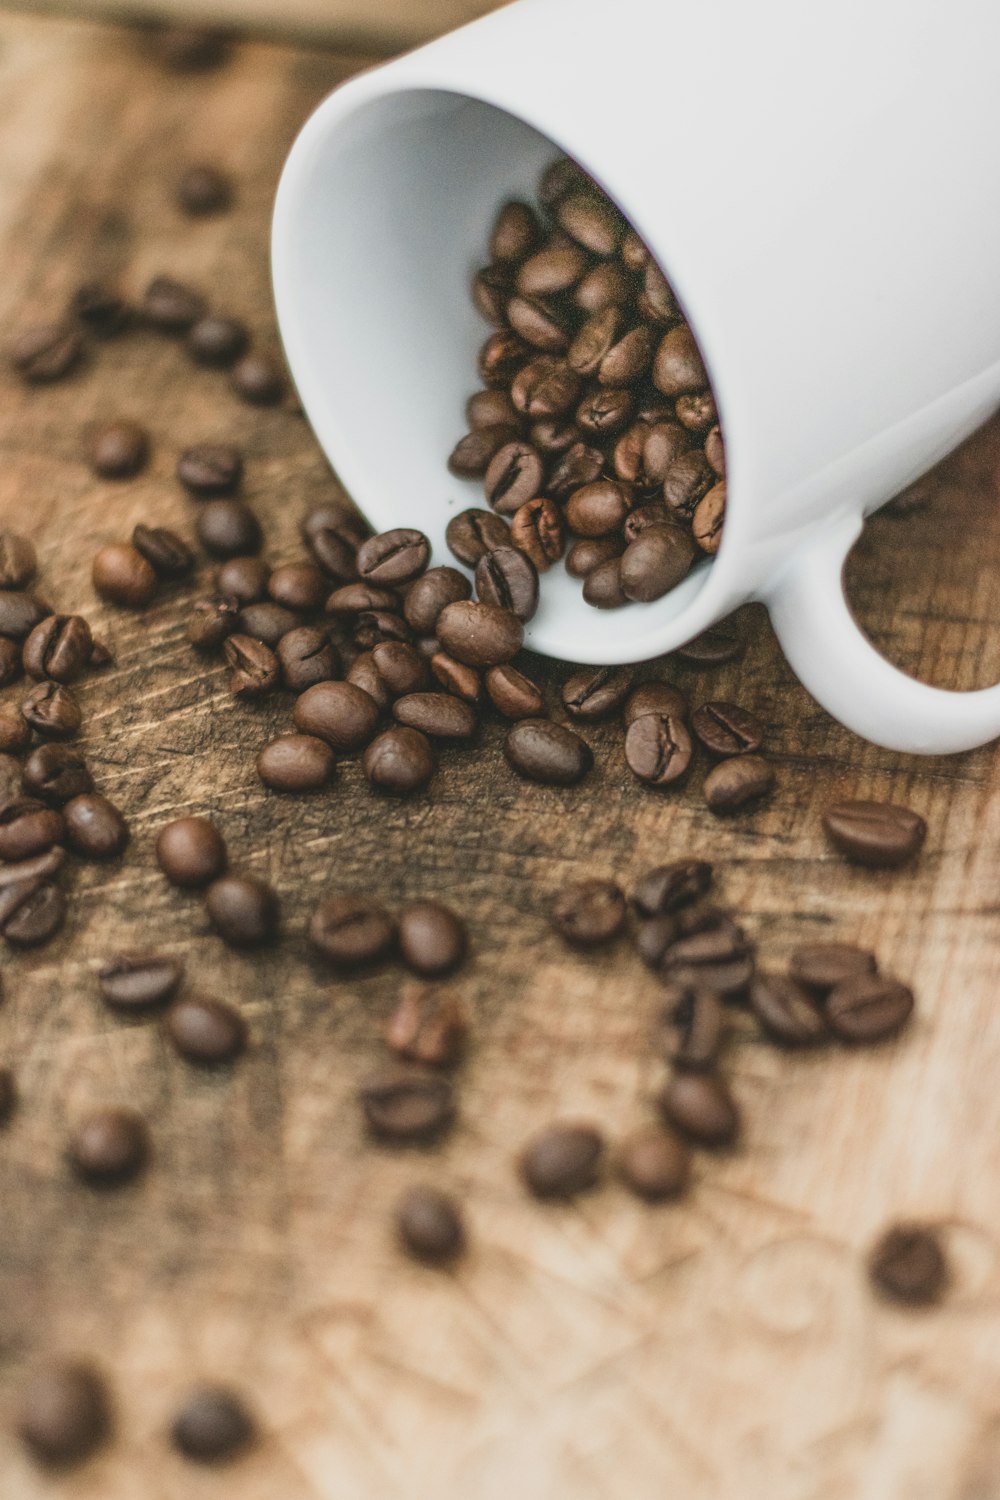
<point x="839" y="666"/>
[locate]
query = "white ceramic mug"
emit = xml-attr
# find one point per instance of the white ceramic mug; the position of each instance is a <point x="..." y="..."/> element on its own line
<point x="812" y="179"/>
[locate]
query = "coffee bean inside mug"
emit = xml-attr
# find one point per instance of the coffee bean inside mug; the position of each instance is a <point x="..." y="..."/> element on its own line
<point x="609" y="427"/>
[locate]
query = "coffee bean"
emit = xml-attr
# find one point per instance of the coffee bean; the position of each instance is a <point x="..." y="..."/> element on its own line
<point x="353" y="599"/>
<point x="211" y="622"/>
<point x="254" y="667"/>
<point x="550" y="271"/>
<point x="101" y="309"/>
<point x="217" y="342"/>
<point x="655" y="562"/>
<point x="708" y="518"/>
<point x="228" y="528"/>
<point x="513" y="694"/>
<point x="206" y="1031"/>
<point x="393" y="557"/>
<point x="170" y="306"/>
<point x="603" y="286"/>
<point x="377" y="625"/>
<point x="364" y="674"/>
<point x="55" y="773"/>
<point x="338" y="712"/>
<point x="686" y="482"/>
<point x="296" y="763"/>
<point x="562" y="1160"/>
<point x="696" y="411"/>
<point x="785" y="1011"/>
<point x="545" y="387"/>
<point x="298" y="586"/>
<point x="10" y="661"/>
<point x="58" y="648"/>
<point x="907" y="1264"/>
<point x="430" y="594"/>
<point x="31" y="911"/>
<point x="821" y="966"/>
<point x="123" y="576"/>
<point x="399" y="761"/>
<point x="693" y="1029"/>
<point x="655" y="698"/>
<point x="351" y="931"/>
<point x="701" y="1107"/>
<point x="596" y="692"/>
<point x="579" y="466"/>
<point x="627" y="360"/>
<point x="715" y="647"/>
<point x="727" y="729"/>
<point x="480" y="635"/>
<point x="585" y="556"/>
<point x="658" y="749"/>
<point x="212" y="1426"/>
<point x="306" y="656"/>
<point x="439" y="715"/>
<point x="678" y="366"/>
<point x="46" y="352"/>
<point x="427" y="1026"/>
<point x="507" y="579"/>
<point x="515" y="232"/>
<point x="645" y="518"/>
<point x="210" y="468"/>
<point x="881" y="835"/>
<point x="540" y="323"/>
<point x="267" y="622"/>
<point x="597" y="510"/>
<point x="593" y="341"/>
<point x="52" y="711"/>
<point x="589" y="913"/>
<point x="332" y="535"/>
<point x="663" y="445"/>
<point x="472" y="455"/>
<point x="490" y="289"/>
<point x="429" y="1225"/>
<point x="536" y="530"/>
<point x="501" y="357"/>
<point x="109" y="1145"/>
<point x="714" y="956"/>
<point x="654" y="1164"/>
<point x="455" y="677"/>
<point x="95" y="827"/>
<point x="472" y="533"/>
<point x="514" y="476"/>
<point x="404" y="1104"/>
<point x="243" y="578"/>
<point x="592" y="221"/>
<point x="715" y="452"/>
<point x="28" y="827"/>
<point x="191" y="852"/>
<point x="168" y="554"/>
<point x="432" y="938"/>
<point x="243" y="909"/>
<point x="669" y="888"/>
<point x="139" y="981"/>
<point x="19" y="614"/>
<point x="118" y="450"/>
<point x="204" y="190"/>
<point x="401" y="668"/>
<point x="866" y="1008"/>
<point x="64" y="1414"/>
<point x="491" y="408"/>
<point x="548" y="753"/>
<point x="559" y="178"/>
<point x="553" y="437"/>
<point x="732" y="784"/>
<point x="258" y="379"/>
<point x="18" y="562"/>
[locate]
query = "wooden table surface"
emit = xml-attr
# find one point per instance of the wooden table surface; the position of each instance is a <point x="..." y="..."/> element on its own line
<point x="724" y="1346"/>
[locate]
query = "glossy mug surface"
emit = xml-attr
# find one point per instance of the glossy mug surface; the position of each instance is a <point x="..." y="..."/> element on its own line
<point x="811" y="181"/>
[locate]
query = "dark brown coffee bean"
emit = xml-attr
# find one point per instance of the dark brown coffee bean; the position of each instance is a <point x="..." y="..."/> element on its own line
<point x="439" y="715"/>
<point x="306" y="656"/>
<point x="592" y="221"/>
<point x="668" y="888"/>
<point x="733" y="784"/>
<point x="20" y="613"/>
<point x="31" y="912"/>
<point x="55" y="773"/>
<point x="515" y="232"/>
<point x="727" y="729"/>
<point x="658" y="749"/>
<point x="401" y="668"/>
<point x="585" y="556"/>
<point x="713" y="957"/>
<point x="605" y="413"/>
<point x="501" y="357"/>
<point x="656" y="300"/>
<point x="243" y="909"/>
<point x="18" y="562"/>
<point x="123" y="576"/>
<point x="254" y="667"/>
<point x="715" y="647"/>
<point x="596" y="692"/>
<point x="212" y="1426"/>
<point x="472" y="455"/>
<point x="169" y="556"/>
<point x="633" y="251"/>
<point x="64" y="1414"/>
<point x="491" y="408"/>
<point x="472" y="533"/>
<point x="709" y="516"/>
<point x="644" y="518"/>
<point x="678" y="366"/>
<point x="589" y="913"/>
<point x="28" y="827"/>
<point x="364" y="674"/>
<point x="393" y="557"/>
<point x="491" y="287"/>
<point x="536" y="530"/>
<point x="296" y="763"/>
<point x="95" y="827"/>
<point x="258" y="379"/>
<point x="549" y="753"/>
<point x="429" y="1225"/>
<point x="432" y="938"/>
<point x="405" y="1104"/>
<point x="58" y="648"/>
<point x="267" y="622"/>
<point x="665" y="443"/>
<point x="170" y="306"/>
<point x="191" y="852"/>
<point x="627" y="360"/>
<point x="514" y="476"/>
<point x="696" y="411"/>
<point x="138" y="981"/>
<point x="298" y="586"/>
<point x="46" y="352"/>
<point x="353" y="599"/>
<point x="204" y="190"/>
<point x="349" y="932"/>
<point x="211" y="622"/>
<point x="596" y="337"/>
<point x="374" y="626"/>
<point x="480" y="635"/>
<point x="715" y="452"/>
<point x="881" y="835"/>
<point x="687" y="480"/>
<point x="821" y="966"/>
<point x="508" y="580"/>
<point x="217" y="342"/>
<point x="908" y="1265"/>
<point x="602" y="587"/>
<point x="429" y="595"/>
<point x="580" y="465"/>
<point x="604" y="286"/>
<point x="427" y="1026"/>
<point x="206" y="1031"/>
<point x="627" y="455"/>
<point x="598" y="509"/>
<point x="546" y="387"/>
<point x="210" y="468"/>
<point x="562" y="1160"/>
<point x="539" y="323"/>
<point x="554" y="438"/>
<point x="701" y="1107"/>
<point x="559" y="178"/>
<point x="513" y="694"/>
<point x="228" y="528"/>
<point x="455" y="677"/>
<point x="338" y="712"/>
<point x="867" y="1008"/>
<point x="550" y="271"/>
<point x="654" y="1164"/>
<point x="656" y="562"/>
<point x="693" y="1028"/>
<point x="119" y="449"/>
<point x="101" y="309"/>
<point x="786" y="1011"/>
<point x="655" y="698"/>
<point x="399" y="761"/>
<point x="109" y="1145"/>
<point x="52" y="711"/>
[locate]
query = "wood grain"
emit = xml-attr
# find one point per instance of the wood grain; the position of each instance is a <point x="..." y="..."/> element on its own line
<point x="724" y="1346"/>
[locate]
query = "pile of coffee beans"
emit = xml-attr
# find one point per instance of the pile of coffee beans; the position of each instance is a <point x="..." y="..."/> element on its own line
<point x="596" y="433"/>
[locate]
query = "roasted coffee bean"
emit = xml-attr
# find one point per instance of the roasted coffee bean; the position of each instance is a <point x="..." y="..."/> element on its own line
<point x="439" y="715"/>
<point x="267" y="622"/>
<point x="455" y="677"/>
<point x="258" y="379"/>
<point x="217" y="342"/>
<point x="584" y="556"/>
<point x="508" y="580"/>
<point x="559" y="178"/>
<point x="406" y="1104"/>
<point x="211" y="622"/>
<point x="627" y="455"/>
<point x="580" y="465"/>
<point x="715" y="647"/>
<point x="589" y="913"/>
<point x="546" y="387"/>
<point x="473" y="533"/>
<point x="733" y="784"/>
<point x="908" y="1265"/>
<point x="191" y="852"/>
<point x="28" y="827"/>
<point x="654" y="1164"/>
<point x="376" y="625"/>
<point x="539" y="323"/>
<point x="549" y="753"/>
<point x="678" y="367"/>
<point x="715" y="452"/>
<point x="210" y="468"/>
<point x="562" y="1160"/>
<point x="427" y="1026"/>
<point x="243" y="909"/>
<point x="204" y="190"/>
<point x="515" y="232"/>
<point x="665" y="443"/>
<point x="432" y="938"/>
<point x="18" y="562"/>
<point x="338" y="712"/>
<point x="206" y="1031"/>
<point x="656" y="562"/>
<point x="821" y="966"/>
<point x="658" y="749"/>
<point x="501" y="357"/>
<point x="56" y="773"/>
<point x="119" y="449"/>
<point x="881" y="835"/>
<point x="536" y="530"/>
<point x="627" y="360"/>
<point x="46" y="352"/>
<point x="364" y="674"/>
<point x="429" y="1225"/>
<point x="687" y="480"/>
<point x="399" y="761"/>
<point x="58" y="648"/>
<point x="306" y="655"/>
<point x="228" y="528"/>
<point x="514" y="476"/>
<point x="393" y="557"/>
<point x="592" y="221"/>
<point x="401" y="667"/>
<point x="655" y="698"/>
<point x="170" y="306"/>
<point x="656" y="300"/>
<point x="298" y="586"/>
<point x="349" y="932"/>
<point x="20" y="613"/>
<point x="52" y="711"/>
<point x="645" y="518"/>
<point x="605" y="413"/>
<point x="348" y="532"/>
<point x="109" y="1145"/>
<point x="598" y="509"/>
<point x="95" y="828"/>
<point x="712" y="956"/>
<point x="353" y="599"/>
<point x="696" y="411"/>
<point x="138" y="981"/>
<point x="708" y="518"/>
<point x="123" y="576"/>
<point x="693" y="1029"/>
<point x="491" y="408"/>
<point x="786" y="1011"/>
<point x="254" y="669"/>
<point x="296" y="763"/>
<point x="212" y="1426"/>
<point x="604" y="286"/>
<point x="480" y="635"/>
<point x="32" y="910"/>
<point x="701" y="1107"/>
<point x="513" y="694"/>
<point x="552" y="438"/>
<point x="592" y="343"/>
<point x="596" y="692"/>
<point x="668" y="888"/>
<point x="551" y="270"/>
<point x="727" y="729"/>
<point x="490" y="289"/>
<point x="472" y="455"/>
<point x="168" y="554"/>
<point x="867" y="1008"/>
<point x="64" y="1414"/>
<point x="633" y="251"/>
<point x="428" y="596"/>
<point x="603" y="586"/>
<point x="101" y="309"/>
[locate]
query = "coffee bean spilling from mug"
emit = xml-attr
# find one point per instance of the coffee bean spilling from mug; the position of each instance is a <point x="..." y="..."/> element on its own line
<point x="597" y="428"/>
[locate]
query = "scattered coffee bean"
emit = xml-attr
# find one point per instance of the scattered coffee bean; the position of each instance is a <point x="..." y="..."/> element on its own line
<point x="439" y="715"/>
<point x="654" y="1164"/>
<point x="19" y="614"/>
<point x="118" y="450"/>
<point x="549" y="753"/>
<point x="589" y="913"/>
<point x="94" y="826"/>
<point x="430" y="594"/>
<point x="821" y="966"/>
<point x="52" y="711"/>
<point x="109" y="1145"/>
<point x="867" y="1008"/>
<point x="306" y="656"/>
<point x="228" y="528"/>
<point x="349" y="932"/>
<point x="210" y="468"/>
<point x="206" y="1031"/>
<point x="432" y="938"/>
<point x="455" y="677"/>
<point x="364" y="674"/>
<point x="258" y="379"/>
<point x="727" y="729"/>
<point x="376" y="625"/>
<point x="18" y="562"/>
<point x="655" y="562"/>
<point x="298" y="586"/>
<point x="31" y="912"/>
<point x="480" y="635"/>
<point x="733" y="784"/>
<point x="28" y="827"/>
<point x="399" y="761"/>
<point x="191" y="852"/>
<point x="64" y="1414"/>
<point x="212" y="1426"/>
<point x="562" y="1160"/>
<point x="296" y="763"/>
<point x="603" y="586"/>
<point x="658" y="749"/>
<point x="536" y="530"/>
<point x="168" y="554"/>
<point x="46" y="352"/>
<point x="472" y="455"/>
<point x="101" y="309"/>
<point x="715" y="647"/>
<point x="267" y="622"/>
<point x="58" y="648"/>
<point x="204" y="190"/>
<point x="353" y="599"/>
<point x="56" y="773"/>
<point x="217" y="342"/>
<point x="427" y="1026"/>
<point x="244" y="579"/>
<point x="243" y="910"/>
<point x="881" y="835"/>
<point x="393" y="557"/>
<point x="701" y="1107"/>
<point x="513" y="694"/>
<point x="709" y="516"/>
<point x="211" y="622"/>
<point x="473" y="533"/>
<point x="139" y="981"/>
<point x="170" y="306"/>
<point x="338" y="712"/>
<point x="596" y="692"/>
<point x="429" y="1225"/>
<point x="406" y="1104"/>
<point x="401" y="668"/>
<point x="786" y="1011"/>
<point x="908" y="1265"/>
<point x="693" y="1030"/>
<point x="711" y="952"/>
<point x="655" y="698"/>
<point x="123" y="576"/>
<point x="668" y="888"/>
<point x="254" y="667"/>
<point x="507" y="579"/>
